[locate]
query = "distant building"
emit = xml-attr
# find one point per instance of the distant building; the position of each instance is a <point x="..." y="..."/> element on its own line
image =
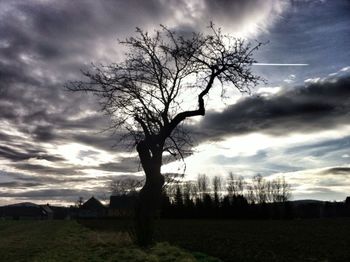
<point x="347" y="201"/>
<point x="122" y="205"/>
<point x="60" y="212"/>
<point x="92" y="208"/>
<point x="26" y="210"/>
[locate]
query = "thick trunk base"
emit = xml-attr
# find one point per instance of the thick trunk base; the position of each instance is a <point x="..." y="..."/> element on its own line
<point x="147" y="210"/>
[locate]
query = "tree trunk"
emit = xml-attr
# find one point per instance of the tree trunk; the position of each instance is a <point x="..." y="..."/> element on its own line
<point x="146" y="211"/>
<point x="150" y="196"/>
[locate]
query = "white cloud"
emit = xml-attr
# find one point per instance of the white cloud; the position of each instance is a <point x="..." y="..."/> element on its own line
<point x="255" y="153"/>
<point x="267" y="90"/>
<point x="291" y="79"/>
<point x="82" y="155"/>
<point x="317" y="184"/>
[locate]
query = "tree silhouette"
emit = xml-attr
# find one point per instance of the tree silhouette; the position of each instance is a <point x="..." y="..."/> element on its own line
<point x="217" y="186"/>
<point x="147" y="96"/>
<point x="123" y="186"/>
<point x="203" y="185"/>
<point x="235" y="185"/>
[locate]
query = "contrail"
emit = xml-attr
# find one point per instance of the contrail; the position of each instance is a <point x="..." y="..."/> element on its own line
<point x="273" y="64"/>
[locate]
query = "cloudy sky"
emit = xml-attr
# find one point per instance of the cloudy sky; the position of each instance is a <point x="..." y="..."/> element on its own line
<point x="52" y="148"/>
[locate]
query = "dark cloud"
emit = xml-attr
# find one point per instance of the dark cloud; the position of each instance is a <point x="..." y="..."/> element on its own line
<point x="124" y="164"/>
<point x="48" y="193"/>
<point x="331" y="183"/>
<point x="43" y="133"/>
<point x="47" y="179"/>
<point x="16" y="184"/>
<point x="44" y="44"/>
<point x="69" y="29"/>
<point x="322" y="148"/>
<point x="331" y="152"/>
<point x="338" y="171"/>
<point x="322" y="193"/>
<point x="263" y="164"/>
<point x="105" y="141"/>
<point x="47" y="170"/>
<point x="300" y="37"/>
<point x="25" y="154"/>
<point x="226" y="12"/>
<point x="319" y="105"/>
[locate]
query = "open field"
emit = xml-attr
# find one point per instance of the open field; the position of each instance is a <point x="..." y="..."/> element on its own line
<point x="254" y="240"/>
<point x="68" y="241"/>
<point x="231" y="240"/>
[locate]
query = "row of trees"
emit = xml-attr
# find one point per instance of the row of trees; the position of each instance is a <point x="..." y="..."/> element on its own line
<point x="233" y="197"/>
<point x="237" y="207"/>
<point x="258" y="190"/>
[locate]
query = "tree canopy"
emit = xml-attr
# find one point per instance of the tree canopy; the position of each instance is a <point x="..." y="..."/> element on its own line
<point x="145" y="93"/>
<point x="147" y="96"/>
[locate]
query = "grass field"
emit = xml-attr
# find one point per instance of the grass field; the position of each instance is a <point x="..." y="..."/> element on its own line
<point x="230" y="240"/>
<point x="45" y="241"/>
<point x="269" y="240"/>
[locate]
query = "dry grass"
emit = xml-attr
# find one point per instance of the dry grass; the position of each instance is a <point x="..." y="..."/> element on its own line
<point x="53" y="241"/>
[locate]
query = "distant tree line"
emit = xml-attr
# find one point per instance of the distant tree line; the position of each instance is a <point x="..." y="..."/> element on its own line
<point x="257" y="191"/>
<point x="233" y="198"/>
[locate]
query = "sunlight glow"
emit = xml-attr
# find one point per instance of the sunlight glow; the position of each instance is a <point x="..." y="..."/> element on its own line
<point x="247" y="146"/>
<point x="83" y="155"/>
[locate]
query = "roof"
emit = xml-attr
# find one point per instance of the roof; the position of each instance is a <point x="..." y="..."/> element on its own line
<point x="47" y="209"/>
<point x="24" y="210"/>
<point x="23" y="204"/>
<point x="93" y="204"/>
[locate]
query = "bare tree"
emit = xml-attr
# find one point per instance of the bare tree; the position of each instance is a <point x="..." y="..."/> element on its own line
<point x="275" y="191"/>
<point x="272" y="191"/>
<point x="179" y="200"/>
<point x="203" y="184"/>
<point x="217" y="184"/>
<point x="172" y="178"/>
<point x="80" y="202"/>
<point x="217" y="187"/>
<point x="144" y="96"/>
<point x="124" y="186"/>
<point x="250" y="194"/>
<point x="170" y="190"/>
<point x="260" y="189"/>
<point x="278" y="190"/>
<point x="286" y="193"/>
<point x="190" y="191"/>
<point x="235" y="185"/>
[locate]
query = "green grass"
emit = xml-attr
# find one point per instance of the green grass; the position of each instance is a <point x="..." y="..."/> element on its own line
<point x="230" y="240"/>
<point x="269" y="240"/>
<point x="69" y="241"/>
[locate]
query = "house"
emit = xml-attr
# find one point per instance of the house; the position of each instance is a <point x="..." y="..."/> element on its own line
<point x="92" y="208"/>
<point x="26" y="210"/>
<point x="60" y="212"/>
<point x="347" y="207"/>
<point x="122" y="205"/>
<point x="347" y="201"/>
<point x="47" y="210"/>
